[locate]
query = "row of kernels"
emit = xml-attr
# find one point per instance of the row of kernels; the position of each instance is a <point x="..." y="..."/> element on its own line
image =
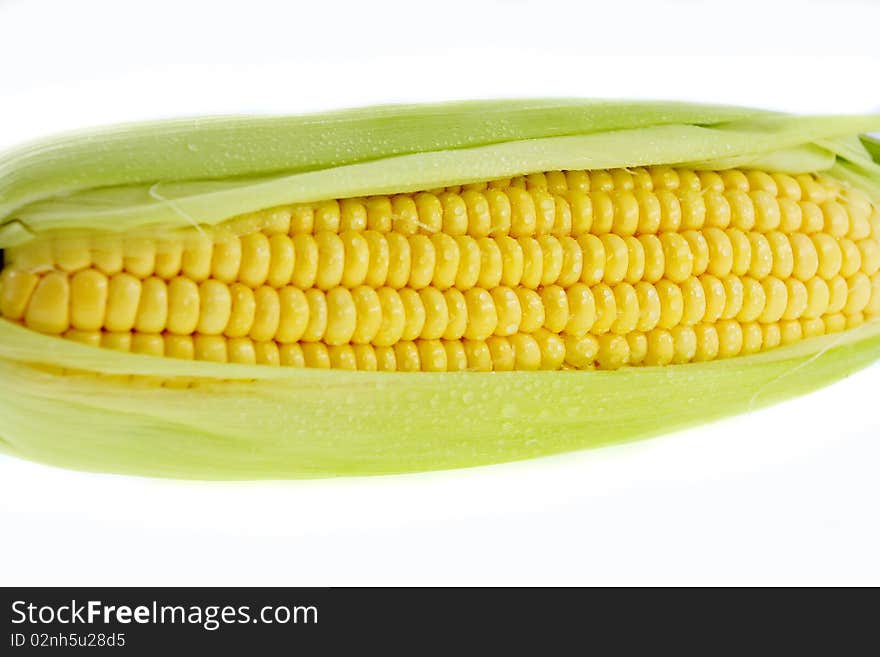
<point x="89" y="301"/>
<point x="805" y="186"/>
<point x="631" y="210"/>
<point x="800" y="255"/>
<point x="546" y="350"/>
<point x="624" y="308"/>
<point x="519" y="212"/>
<point x="698" y="343"/>
<point x="513" y="211"/>
<point x="190" y="347"/>
<point x="520" y="351"/>
<point x="517" y="352"/>
<point x="350" y="259"/>
<point x="535" y="211"/>
<point x="327" y="260"/>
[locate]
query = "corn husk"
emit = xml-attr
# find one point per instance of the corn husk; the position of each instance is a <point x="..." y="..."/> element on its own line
<point x="94" y="409"/>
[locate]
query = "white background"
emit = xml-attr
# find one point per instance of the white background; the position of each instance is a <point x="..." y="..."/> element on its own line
<point x="788" y="495"/>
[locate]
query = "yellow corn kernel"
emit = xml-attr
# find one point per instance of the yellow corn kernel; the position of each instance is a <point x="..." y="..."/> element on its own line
<point x="733" y="296"/>
<point x="556" y="310"/>
<point x="116" y="341"/>
<point x="616" y="258"/>
<point x="447" y="257"/>
<point x="123" y="298"/>
<point x="858" y="294"/>
<point x="661" y="348"/>
<point x="684" y="340"/>
<point x="107" y="255"/>
<point x="305" y="261"/>
<point x="139" y="257"/>
<point x="393" y="317"/>
<point x="818" y="298"/>
<point x="606" y="309"/>
<point x="72" y="254"/>
<point x="241" y="314"/>
<point x="761" y="263"/>
<point x="720" y="252"/>
<point x="198" y="253"/>
<point x="16" y="289"/>
<point x="626" y="301"/>
<point x="169" y="258"/>
<point x="326" y="216"/>
<point x="635" y="269"/>
<point x="88" y="299"/>
<point x="839" y="292"/>
<point x="315" y="354"/>
<point x="456" y="308"/>
<point x="368" y="313"/>
<point x="152" y="312"/>
<point x="649" y="305"/>
<point x="670" y="210"/>
<point x="342" y="357"/>
<point x="613" y="351"/>
<point x="638" y="348"/>
<point x="532" y="309"/>
<point x="210" y="348"/>
<point x="482" y="315"/>
<point x="655" y="263"/>
<point x="150" y="344"/>
<point x="806" y="258"/>
<point x="491" y="263"/>
<point x="581" y="352"/>
<point x="671" y="304"/>
<point x="364" y="356"/>
<point x="708" y="344"/>
<point x="791" y="215"/>
<point x="331" y="260"/>
<point x="603" y="212"/>
<point x="714" y="292"/>
<point x="581" y="311"/>
<point x="281" y="258"/>
<point x="551" y="259"/>
<point x="508" y="310"/>
<point x="650" y="213"/>
<point x="742" y="251"/>
<point x="730" y="338"/>
<point x="291" y="355"/>
<point x="241" y="350"/>
<point x="593" y="259"/>
<point x="776" y="300"/>
<point x="47" y="310"/>
<point x="797" y="299"/>
<point x="693" y="302"/>
<point x="267" y="314"/>
<point x="183" y="306"/>
<point x="414" y="314"/>
<point x="869" y="252"/>
<point x="851" y="258"/>
<point x="267" y="353"/>
<point x="215" y="308"/>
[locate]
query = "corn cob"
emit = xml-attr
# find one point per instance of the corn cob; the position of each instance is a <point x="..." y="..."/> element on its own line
<point x="139" y="316"/>
<point x="563" y="269"/>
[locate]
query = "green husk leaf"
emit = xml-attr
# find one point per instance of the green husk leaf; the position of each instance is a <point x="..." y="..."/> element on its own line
<point x="262" y="422"/>
<point x="224" y="147"/>
<point x="94" y="409"/>
<point x="774" y="142"/>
